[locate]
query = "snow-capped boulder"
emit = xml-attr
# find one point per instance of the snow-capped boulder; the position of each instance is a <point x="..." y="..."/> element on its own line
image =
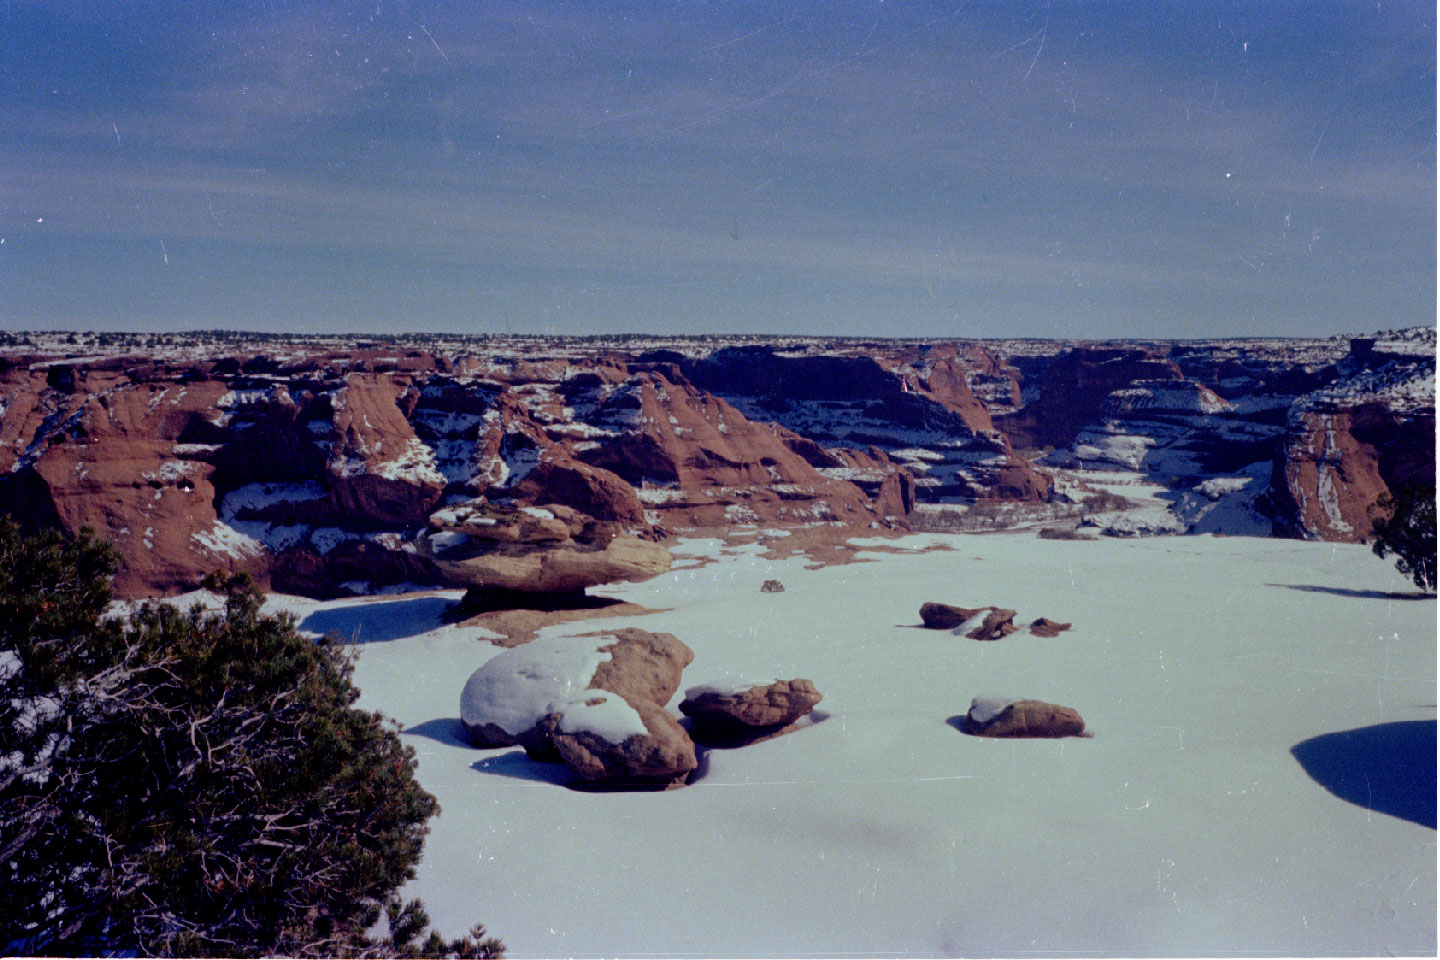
<point x="617" y="744"/>
<point x="508" y="700"/>
<point x="1045" y="627"/>
<point x="514" y="690"/>
<point x="1001" y="717"/>
<point x="748" y="710"/>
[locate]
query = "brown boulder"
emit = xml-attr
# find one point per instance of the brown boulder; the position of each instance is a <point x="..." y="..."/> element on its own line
<point x="487" y="735"/>
<point x="607" y="751"/>
<point x="507" y="700"/>
<point x="750" y="712"/>
<point x="1022" y="718"/>
<point x="772" y="586"/>
<point x="643" y="666"/>
<point x="942" y="616"/>
<point x="1045" y="627"/>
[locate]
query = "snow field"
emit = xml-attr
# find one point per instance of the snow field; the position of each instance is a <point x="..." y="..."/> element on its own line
<point x="1184" y="826"/>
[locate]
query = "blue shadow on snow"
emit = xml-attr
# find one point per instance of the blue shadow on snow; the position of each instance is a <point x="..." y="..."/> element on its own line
<point x="517" y="765"/>
<point x="444" y="730"/>
<point x="378" y="622"/>
<point x="1360" y="594"/>
<point x="1389" y="768"/>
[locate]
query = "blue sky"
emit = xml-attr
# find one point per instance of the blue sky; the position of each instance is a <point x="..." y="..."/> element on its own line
<point x="924" y="169"/>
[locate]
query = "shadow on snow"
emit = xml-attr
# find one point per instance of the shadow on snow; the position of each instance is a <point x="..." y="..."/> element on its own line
<point x="444" y="730"/>
<point x="1362" y="594"/>
<point x="517" y="765"/>
<point x="378" y="622"/>
<point x="1389" y="768"/>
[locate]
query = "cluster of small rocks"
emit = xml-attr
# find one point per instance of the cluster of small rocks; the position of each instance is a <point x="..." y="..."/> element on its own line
<point x="983" y="623"/>
<point x="996" y="716"/>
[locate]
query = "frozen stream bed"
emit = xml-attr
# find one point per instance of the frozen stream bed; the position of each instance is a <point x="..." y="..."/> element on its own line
<point x="1207" y="669"/>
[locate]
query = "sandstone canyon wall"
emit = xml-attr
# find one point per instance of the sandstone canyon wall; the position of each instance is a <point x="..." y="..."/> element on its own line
<point x="314" y="463"/>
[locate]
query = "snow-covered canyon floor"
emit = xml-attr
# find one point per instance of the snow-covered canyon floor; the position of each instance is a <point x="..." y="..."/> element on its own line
<point x="1205" y="667"/>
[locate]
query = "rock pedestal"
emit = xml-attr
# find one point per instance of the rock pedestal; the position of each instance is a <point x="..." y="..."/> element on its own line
<point x="552" y="549"/>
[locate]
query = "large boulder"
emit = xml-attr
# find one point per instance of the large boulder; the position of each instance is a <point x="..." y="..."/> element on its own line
<point x="615" y="743"/>
<point x="998" y="717"/>
<point x="591" y="490"/>
<point x="522" y="696"/>
<point x="747" y="711"/>
<point x="642" y="665"/>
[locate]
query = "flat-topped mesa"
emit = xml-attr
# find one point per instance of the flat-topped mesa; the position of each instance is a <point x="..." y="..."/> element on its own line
<point x="550" y="549"/>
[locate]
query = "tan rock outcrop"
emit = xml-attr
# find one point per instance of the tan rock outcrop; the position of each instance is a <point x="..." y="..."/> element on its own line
<point x="534" y="549"/>
<point x="1335" y="463"/>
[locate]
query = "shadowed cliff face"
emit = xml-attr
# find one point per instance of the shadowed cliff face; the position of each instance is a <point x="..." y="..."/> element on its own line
<point x="918" y="409"/>
<point x="315" y="468"/>
<point x="314" y="474"/>
<point x="1070" y="392"/>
